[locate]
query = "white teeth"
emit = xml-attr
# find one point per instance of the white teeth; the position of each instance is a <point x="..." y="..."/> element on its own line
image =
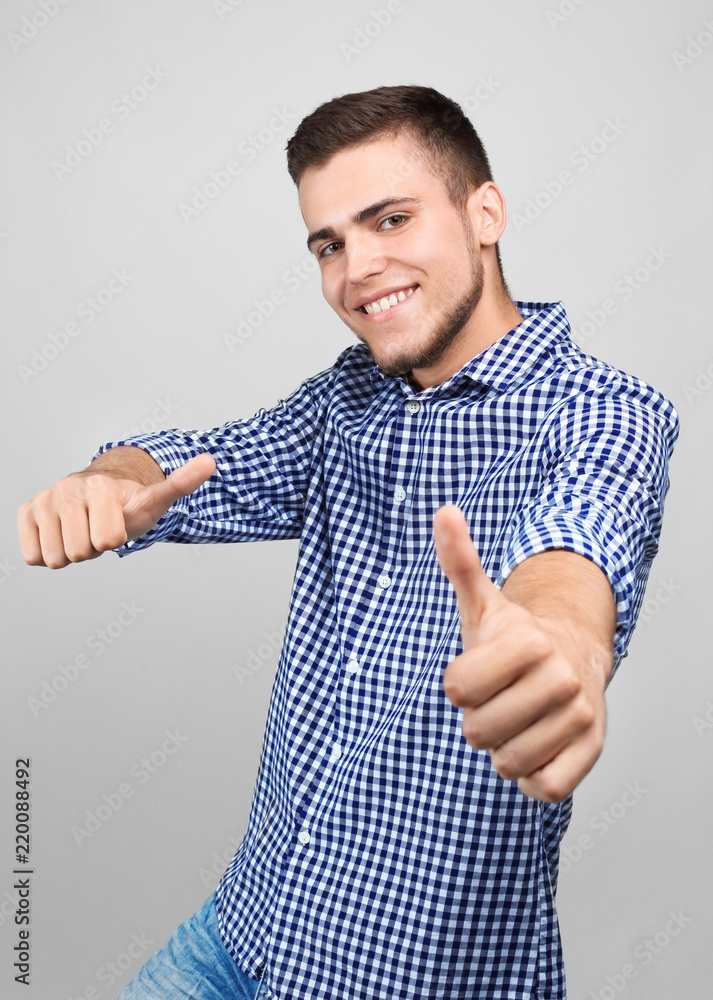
<point x="381" y="305"/>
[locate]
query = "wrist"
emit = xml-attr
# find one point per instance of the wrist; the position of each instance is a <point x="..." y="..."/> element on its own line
<point x="125" y="462"/>
<point x="592" y="658"/>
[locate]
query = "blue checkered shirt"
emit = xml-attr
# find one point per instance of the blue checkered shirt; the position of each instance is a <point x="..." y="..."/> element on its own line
<point x="385" y="857"/>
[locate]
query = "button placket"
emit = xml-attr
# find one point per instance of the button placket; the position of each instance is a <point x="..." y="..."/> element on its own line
<point x="405" y="444"/>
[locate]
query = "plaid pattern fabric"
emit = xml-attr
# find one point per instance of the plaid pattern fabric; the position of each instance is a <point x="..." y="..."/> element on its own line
<point x="384" y="857"/>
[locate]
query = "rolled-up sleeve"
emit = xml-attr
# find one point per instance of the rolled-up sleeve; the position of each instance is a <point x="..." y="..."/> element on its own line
<point x="607" y="455"/>
<point x="262" y="471"/>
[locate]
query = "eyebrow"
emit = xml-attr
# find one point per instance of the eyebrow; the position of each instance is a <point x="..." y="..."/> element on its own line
<point x="363" y="215"/>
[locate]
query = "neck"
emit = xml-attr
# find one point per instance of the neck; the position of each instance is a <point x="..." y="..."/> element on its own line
<point x="494" y="316"/>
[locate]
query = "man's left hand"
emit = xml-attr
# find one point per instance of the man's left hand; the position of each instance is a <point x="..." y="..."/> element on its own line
<point x="532" y="687"/>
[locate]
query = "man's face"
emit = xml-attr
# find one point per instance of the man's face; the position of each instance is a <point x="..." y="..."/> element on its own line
<point x="399" y="262"/>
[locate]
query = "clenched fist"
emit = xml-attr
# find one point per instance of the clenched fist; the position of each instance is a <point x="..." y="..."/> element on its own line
<point x="89" y="512"/>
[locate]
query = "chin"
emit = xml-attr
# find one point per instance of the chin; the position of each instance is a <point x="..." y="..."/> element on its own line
<point x="389" y="364"/>
<point x="393" y="362"/>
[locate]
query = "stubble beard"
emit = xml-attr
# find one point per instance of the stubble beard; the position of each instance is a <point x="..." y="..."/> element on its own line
<point x="446" y="333"/>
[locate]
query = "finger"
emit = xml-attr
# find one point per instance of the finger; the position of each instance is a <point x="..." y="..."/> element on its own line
<point x="43" y="514"/>
<point x="459" y="561"/>
<point x="51" y="542"/>
<point x="91" y="516"/>
<point x="107" y="528"/>
<point x="560" y="732"/>
<point x="158" y="498"/>
<point x="514" y="735"/>
<point x="29" y="536"/>
<point x="88" y="532"/>
<point x="102" y="527"/>
<point x="74" y="526"/>
<point x="495" y="664"/>
<point x="560" y="776"/>
<point x="186" y="479"/>
<point x="490" y="720"/>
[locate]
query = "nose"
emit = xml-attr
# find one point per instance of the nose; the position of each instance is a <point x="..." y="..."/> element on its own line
<point x="363" y="258"/>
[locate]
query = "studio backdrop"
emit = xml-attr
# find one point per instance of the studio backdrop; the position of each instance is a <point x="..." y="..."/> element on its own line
<point x="155" y="275"/>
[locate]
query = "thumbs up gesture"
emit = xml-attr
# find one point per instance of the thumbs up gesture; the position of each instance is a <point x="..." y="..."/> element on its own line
<point x="531" y="684"/>
<point x="90" y="512"/>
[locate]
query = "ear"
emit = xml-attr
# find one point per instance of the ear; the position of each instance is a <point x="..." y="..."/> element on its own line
<point x="487" y="212"/>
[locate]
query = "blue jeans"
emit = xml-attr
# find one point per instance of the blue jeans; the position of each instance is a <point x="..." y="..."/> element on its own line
<point x="193" y="964"/>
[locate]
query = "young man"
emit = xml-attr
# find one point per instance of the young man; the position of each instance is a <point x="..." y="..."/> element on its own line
<point x="423" y="739"/>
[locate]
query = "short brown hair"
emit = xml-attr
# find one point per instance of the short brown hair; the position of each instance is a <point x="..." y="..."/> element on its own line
<point x="442" y="134"/>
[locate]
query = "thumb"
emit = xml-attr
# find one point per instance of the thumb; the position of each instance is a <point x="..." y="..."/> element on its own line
<point x="153" y="501"/>
<point x="458" y="559"/>
<point x="187" y="478"/>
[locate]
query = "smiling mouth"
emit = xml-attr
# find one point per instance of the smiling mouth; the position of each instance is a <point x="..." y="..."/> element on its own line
<point x="388" y="301"/>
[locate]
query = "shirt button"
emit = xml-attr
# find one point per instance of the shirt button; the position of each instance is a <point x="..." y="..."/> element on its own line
<point x="303" y="837"/>
<point x="353" y="665"/>
<point x="336" y="752"/>
<point x="399" y="494"/>
<point x="413" y="406"/>
<point x="384" y="581"/>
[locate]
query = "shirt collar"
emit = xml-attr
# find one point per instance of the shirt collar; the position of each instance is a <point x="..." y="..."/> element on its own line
<point x="507" y="361"/>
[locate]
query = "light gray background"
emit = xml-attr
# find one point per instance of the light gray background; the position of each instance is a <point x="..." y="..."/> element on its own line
<point x="156" y="356"/>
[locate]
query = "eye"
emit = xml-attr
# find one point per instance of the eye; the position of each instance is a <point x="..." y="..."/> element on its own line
<point x="328" y="249"/>
<point x="393" y="221"/>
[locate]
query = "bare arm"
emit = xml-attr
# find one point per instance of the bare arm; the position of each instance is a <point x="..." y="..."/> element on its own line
<point x="574" y="596"/>
<point x="125" y="462"/>
<point x="120" y="496"/>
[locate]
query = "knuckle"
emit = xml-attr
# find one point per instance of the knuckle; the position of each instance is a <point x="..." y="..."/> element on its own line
<point x="452" y="684"/>
<point x="65" y="484"/>
<point x="540" y="643"/>
<point x="553" y="789"/>
<point x="597" y="747"/>
<point x="70" y="489"/>
<point x="452" y="689"/>
<point x="42" y="502"/>
<point x="529" y="636"/>
<point x="566" y="687"/>
<point x="582" y="714"/>
<point x="77" y="553"/>
<point x="95" y="481"/>
<point x="505" y="761"/>
<point x="474" y="732"/>
<point x="106" y="541"/>
<point x="56" y="562"/>
<point x="505" y="767"/>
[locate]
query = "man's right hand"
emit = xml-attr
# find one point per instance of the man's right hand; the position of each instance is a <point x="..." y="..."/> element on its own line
<point x="90" y="512"/>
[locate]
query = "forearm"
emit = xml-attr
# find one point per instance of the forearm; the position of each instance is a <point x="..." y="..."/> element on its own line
<point x="126" y="462"/>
